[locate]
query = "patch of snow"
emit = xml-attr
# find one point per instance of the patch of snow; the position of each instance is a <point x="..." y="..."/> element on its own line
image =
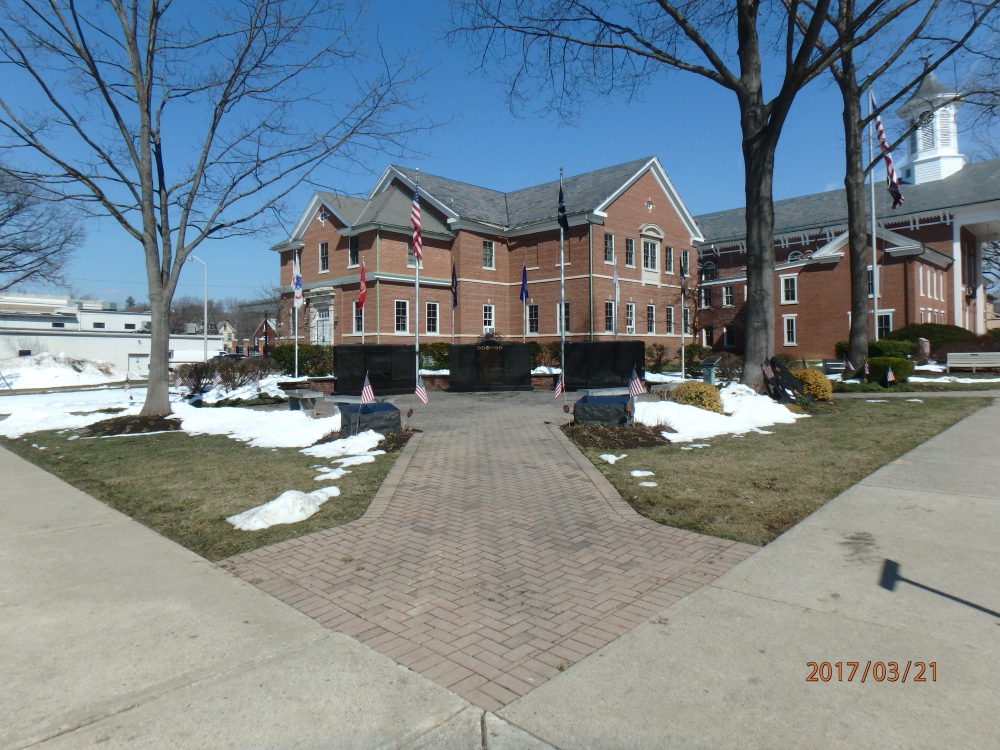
<point x="953" y="379"/>
<point x="543" y="370"/>
<point x="695" y="445"/>
<point x="610" y="458"/>
<point x="641" y="473"/>
<point x="367" y="458"/>
<point x="363" y="442"/>
<point x="263" y="429"/>
<point x="69" y="410"/>
<point x="647" y="484"/>
<point x="435" y="372"/>
<point x="663" y="377"/>
<point x="930" y="367"/>
<point x="330" y="474"/>
<point x="916" y="400"/>
<point x="746" y="411"/>
<point x="291" y="506"/>
<point x="876" y="401"/>
<point x="268" y="387"/>
<point x="51" y="371"/>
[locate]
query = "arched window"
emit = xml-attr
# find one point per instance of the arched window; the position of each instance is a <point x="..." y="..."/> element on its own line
<point x="794" y="256"/>
<point x="709" y="271"/>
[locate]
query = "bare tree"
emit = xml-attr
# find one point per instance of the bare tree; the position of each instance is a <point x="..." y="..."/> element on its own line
<point x="928" y="43"/>
<point x="573" y="48"/>
<point x="36" y="238"/>
<point x="991" y="266"/>
<point x="183" y="127"/>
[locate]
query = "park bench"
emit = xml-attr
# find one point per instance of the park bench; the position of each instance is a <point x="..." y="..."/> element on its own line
<point x="833" y="367"/>
<point x="301" y="399"/>
<point x="981" y="360"/>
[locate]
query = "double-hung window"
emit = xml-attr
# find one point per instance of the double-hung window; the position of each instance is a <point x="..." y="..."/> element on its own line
<point x="790" y="330"/>
<point x="685" y="262"/>
<point x="562" y="321"/>
<point x="668" y="260"/>
<point x="705" y="297"/>
<point x="609" y="316"/>
<point x="431" y="318"/>
<point x="629" y="252"/>
<point x="488" y="259"/>
<point x="359" y="317"/>
<point x="669" y="321"/>
<point x="402" y="316"/>
<point x="884" y="324"/>
<point x="609" y="248"/>
<point x="352" y="250"/>
<point x="532" y="318"/>
<point x="729" y="337"/>
<point x="728" y="295"/>
<point x="687" y="321"/>
<point x="324" y="256"/>
<point x="488" y="319"/>
<point x="789" y="290"/>
<point x="411" y="258"/>
<point x="649" y="255"/>
<point x="650" y="318"/>
<point x="630" y="317"/>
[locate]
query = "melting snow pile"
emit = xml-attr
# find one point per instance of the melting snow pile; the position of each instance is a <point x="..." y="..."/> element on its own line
<point x="611" y="458"/>
<point x="663" y="377"/>
<point x="543" y="370"/>
<point x="64" y="411"/>
<point x="952" y="379"/>
<point x="268" y="387"/>
<point x="49" y="371"/>
<point x="641" y="473"/>
<point x="354" y="445"/>
<point x="647" y="484"/>
<point x="746" y="411"/>
<point x="291" y="506"/>
<point x="263" y="429"/>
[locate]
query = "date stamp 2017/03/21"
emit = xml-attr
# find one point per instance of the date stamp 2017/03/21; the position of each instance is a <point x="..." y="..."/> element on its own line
<point x="879" y="671"/>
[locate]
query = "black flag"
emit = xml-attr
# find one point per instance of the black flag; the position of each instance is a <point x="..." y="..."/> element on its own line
<point x="563" y="219"/>
<point x="454" y="286"/>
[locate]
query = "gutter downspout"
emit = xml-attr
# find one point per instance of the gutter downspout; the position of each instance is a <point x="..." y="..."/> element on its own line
<point x="590" y="251"/>
<point x="378" y="292"/>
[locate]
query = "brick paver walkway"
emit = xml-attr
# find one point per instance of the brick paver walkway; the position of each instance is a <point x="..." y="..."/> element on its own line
<point x="494" y="556"/>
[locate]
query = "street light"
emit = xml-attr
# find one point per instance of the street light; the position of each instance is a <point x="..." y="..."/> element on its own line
<point x="204" y="326"/>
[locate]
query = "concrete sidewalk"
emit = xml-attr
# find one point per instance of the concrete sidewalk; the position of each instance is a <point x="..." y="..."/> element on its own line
<point x="727" y="666"/>
<point x="112" y="634"/>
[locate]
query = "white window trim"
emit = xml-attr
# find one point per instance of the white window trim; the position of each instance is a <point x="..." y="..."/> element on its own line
<point x="669" y="321"/>
<point x="685" y="267"/>
<point x="784" y="330"/>
<point x="630" y="308"/>
<point x="538" y="322"/>
<point x="885" y="312"/>
<point x="349" y="264"/>
<point x="493" y="318"/>
<point x="627" y="264"/>
<point x="354" y="317"/>
<point x="650" y="320"/>
<point x="407" y="303"/>
<point x="614" y="316"/>
<point x="668" y="267"/>
<point x="437" y="318"/>
<point x="319" y="257"/>
<point x="781" y="288"/>
<point x="493" y="256"/>
<point x="655" y="254"/>
<point x="920" y="280"/>
<point x="560" y="317"/>
<point x="612" y="261"/>
<point x="733" y="288"/>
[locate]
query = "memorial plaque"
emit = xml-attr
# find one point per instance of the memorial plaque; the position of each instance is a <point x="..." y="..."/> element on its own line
<point x="606" y="410"/>
<point x="391" y="368"/>
<point x="603" y="364"/>
<point x="489" y="366"/>
<point x="355" y="418"/>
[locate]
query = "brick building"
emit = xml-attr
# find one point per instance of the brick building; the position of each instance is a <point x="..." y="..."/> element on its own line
<point x="631" y="217"/>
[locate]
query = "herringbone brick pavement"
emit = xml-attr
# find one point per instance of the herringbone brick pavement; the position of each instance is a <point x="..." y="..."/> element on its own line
<point x="494" y="556"/>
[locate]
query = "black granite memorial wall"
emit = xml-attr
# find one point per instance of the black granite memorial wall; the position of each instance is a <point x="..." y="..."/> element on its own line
<point x="603" y="364"/>
<point x="391" y="368"/>
<point x="489" y="366"/>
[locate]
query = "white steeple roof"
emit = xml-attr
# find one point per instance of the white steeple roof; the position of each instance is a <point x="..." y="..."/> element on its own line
<point x="932" y="149"/>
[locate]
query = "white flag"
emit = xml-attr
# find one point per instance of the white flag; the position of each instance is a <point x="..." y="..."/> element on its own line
<point x="297" y="281"/>
<point x="616" y="284"/>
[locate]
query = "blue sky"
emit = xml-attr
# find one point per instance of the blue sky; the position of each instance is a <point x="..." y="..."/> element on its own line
<point x="690" y="124"/>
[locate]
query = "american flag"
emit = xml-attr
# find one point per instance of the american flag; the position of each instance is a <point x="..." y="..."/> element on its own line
<point x="890" y="171"/>
<point x="128" y="385"/>
<point x="179" y="382"/>
<point x="189" y="382"/>
<point x="559" y="386"/>
<point x="216" y="380"/>
<point x="890" y="376"/>
<point x="805" y="365"/>
<point x="848" y="366"/>
<point x="421" y="391"/>
<point x="768" y="372"/>
<point x="635" y="386"/>
<point x="867" y="369"/>
<point x="418" y="243"/>
<point x="367" y="394"/>
<point x="256" y="380"/>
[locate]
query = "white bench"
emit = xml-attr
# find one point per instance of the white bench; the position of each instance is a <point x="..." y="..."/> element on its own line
<point x="981" y="360"/>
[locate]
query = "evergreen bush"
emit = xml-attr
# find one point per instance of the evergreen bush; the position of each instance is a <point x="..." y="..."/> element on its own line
<point x="315" y="360"/>
<point x="696" y="393"/>
<point x="901" y="368"/>
<point x="936" y="333"/>
<point x="815" y="384"/>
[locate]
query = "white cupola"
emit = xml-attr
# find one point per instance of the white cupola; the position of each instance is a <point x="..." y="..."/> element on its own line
<point x="932" y="149"/>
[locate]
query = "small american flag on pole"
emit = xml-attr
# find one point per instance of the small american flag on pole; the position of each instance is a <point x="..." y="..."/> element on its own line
<point x="189" y="382"/>
<point x="418" y="243"/>
<point x="256" y="380"/>
<point x="768" y="372"/>
<point x="179" y="382"/>
<point x="216" y="380"/>
<point x="635" y="386"/>
<point x="805" y="365"/>
<point x="890" y="376"/>
<point x="421" y="392"/>
<point x="559" y="386"/>
<point x="367" y="394"/>
<point x="867" y="369"/>
<point x="128" y="385"/>
<point x="848" y="366"/>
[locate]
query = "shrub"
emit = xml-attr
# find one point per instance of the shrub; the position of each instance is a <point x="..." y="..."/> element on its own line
<point x="239" y="372"/>
<point x="201" y="373"/>
<point x="435" y="356"/>
<point x="788" y="360"/>
<point x="890" y="348"/>
<point x="694" y="393"/>
<point x="974" y="344"/>
<point x="937" y="334"/>
<point x="730" y="367"/>
<point x="815" y="384"/>
<point x="656" y="358"/>
<point x="840" y="349"/>
<point x="901" y="368"/>
<point x="693" y="355"/>
<point x="994" y="332"/>
<point x="314" y="360"/>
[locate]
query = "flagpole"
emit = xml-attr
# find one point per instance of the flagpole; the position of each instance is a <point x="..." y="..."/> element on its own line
<point x="295" y="312"/>
<point x="871" y="153"/>
<point x="614" y="261"/>
<point x="562" y="295"/>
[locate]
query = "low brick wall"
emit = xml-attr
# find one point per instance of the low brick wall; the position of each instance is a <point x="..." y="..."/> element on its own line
<point x="436" y="382"/>
<point x="544" y="381"/>
<point x="326" y="386"/>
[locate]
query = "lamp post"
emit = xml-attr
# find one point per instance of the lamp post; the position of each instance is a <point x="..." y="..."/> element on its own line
<point x="204" y="325"/>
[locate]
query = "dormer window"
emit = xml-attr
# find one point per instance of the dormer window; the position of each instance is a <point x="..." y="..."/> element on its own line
<point x="794" y="256"/>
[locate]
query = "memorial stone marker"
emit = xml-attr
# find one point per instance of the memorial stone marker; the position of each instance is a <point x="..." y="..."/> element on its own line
<point x="391" y="368"/>
<point x="490" y="365"/>
<point x="603" y="364"/>
<point x="381" y="417"/>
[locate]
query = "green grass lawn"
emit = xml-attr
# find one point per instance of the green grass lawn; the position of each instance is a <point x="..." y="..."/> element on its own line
<point x="184" y="487"/>
<point x="753" y="488"/>
<point x="914" y="387"/>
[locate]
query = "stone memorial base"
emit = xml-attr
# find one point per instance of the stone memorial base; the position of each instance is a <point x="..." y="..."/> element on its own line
<point x="606" y="410"/>
<point x="355" y="418"/>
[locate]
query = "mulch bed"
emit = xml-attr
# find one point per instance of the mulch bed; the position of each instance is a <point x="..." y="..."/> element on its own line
<point x="611" y="438"/>
<point x="133" y="425"/>
<point x="390" y="444"/>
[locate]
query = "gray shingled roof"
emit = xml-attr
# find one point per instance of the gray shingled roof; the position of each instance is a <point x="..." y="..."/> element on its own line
<point x="392" y="208"/>
<point x="583" y="192"/>
<point x="976" y="183"/>
<point x="348" y="207"/>
<point x="927" y="93"/>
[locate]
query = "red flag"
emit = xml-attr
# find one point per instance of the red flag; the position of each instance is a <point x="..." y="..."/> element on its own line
<point x="364" y="288"/>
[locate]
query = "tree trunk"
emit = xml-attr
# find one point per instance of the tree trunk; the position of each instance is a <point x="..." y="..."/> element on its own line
<point x="157" y="391"/>
<point x="758" y="157"/>
<point x="854" y="182"/>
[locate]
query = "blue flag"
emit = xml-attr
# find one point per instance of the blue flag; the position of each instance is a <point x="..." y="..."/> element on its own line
<point x="524" y="284"/>
<point x="454" y="286"/>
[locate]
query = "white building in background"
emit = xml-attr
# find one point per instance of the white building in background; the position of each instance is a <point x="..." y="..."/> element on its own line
<point x="88" y="329"/>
